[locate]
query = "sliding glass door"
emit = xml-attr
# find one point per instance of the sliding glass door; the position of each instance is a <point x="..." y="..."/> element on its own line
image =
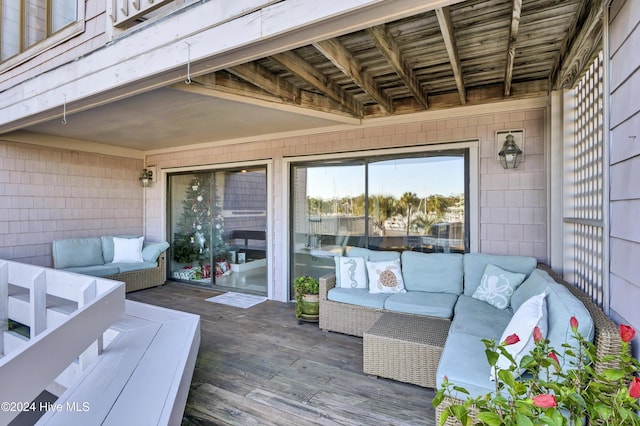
<point x="217" y="223"/>
<point x="411" y="202"/>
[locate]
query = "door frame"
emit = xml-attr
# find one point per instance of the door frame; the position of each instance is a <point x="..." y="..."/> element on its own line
<point x="164" y="179"/>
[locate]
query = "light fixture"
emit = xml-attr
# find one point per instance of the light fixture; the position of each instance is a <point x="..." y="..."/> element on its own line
<point x="510" y="155"/>
<point x="146" y="177"/>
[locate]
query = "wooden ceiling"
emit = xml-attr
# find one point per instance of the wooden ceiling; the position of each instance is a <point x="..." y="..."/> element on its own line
<point x="472" y="52"/>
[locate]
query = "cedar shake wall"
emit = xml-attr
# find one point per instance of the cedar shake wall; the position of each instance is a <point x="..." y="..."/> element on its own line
<point x="512" y="204"/>
<point x="93" y="38"/>
<point x="48" y="194"/>
<point x="624" y="164"/>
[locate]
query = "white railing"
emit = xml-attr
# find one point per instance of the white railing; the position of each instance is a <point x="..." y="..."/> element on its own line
<point x="126" y="11"/>
<point x="66" y="314"/>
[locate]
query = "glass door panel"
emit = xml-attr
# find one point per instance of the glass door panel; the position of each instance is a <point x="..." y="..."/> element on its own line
<point x="218" y="222"/>
<point x="190" y="212"/>
<point x="417" y="204"/>
<point x="239" y="229"/>
<point x="328" y="211"/>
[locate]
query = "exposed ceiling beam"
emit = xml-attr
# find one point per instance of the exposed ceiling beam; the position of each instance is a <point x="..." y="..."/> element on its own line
<point x="308" y="73"/>
<point x="389" y="48"/>
<point x="446" y="27"/>
<point x="580" y="46"/>
<point x="266" y="80"/>
<point x="334" y="51"/>
<point x="215" y="84"/>
<point x="511" y="48"/>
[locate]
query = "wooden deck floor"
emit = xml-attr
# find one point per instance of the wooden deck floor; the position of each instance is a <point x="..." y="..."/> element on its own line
<point x="258" y="366"/>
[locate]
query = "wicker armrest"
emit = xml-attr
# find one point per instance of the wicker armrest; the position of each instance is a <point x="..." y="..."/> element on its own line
<point x="327" y="282"/>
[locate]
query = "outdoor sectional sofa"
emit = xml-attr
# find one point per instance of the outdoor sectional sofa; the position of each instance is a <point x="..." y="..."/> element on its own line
<point x="435" y="328"/>
<point x="139" y="264"/>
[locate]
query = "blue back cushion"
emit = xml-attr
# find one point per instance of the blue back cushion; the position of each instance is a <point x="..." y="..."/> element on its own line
<point x="561" y="306"/>
<point x="77" y="252"/>
<point x="432" y="272"/>
<point x="475" y="264"/>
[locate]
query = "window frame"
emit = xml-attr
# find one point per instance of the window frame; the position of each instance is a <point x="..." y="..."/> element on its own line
<point x="472" y="168"/>
<point x="69" y="31"/>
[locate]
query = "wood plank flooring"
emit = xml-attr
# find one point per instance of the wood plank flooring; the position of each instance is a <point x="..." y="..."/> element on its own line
<point x="258" y="366"/>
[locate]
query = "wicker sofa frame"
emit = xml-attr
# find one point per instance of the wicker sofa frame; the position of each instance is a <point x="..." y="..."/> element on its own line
<point x="142" y="278"/>
<point x="355" y="320"/>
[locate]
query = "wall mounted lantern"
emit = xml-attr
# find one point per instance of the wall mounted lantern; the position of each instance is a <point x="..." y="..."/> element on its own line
<point x="510" y="154"/>
<point x="146" y="177"/>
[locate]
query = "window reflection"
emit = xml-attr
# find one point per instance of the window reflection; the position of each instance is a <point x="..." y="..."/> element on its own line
<point x="403" y="203"/>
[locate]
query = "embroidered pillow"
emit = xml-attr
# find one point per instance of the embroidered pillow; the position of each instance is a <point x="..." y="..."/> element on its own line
<point x="530" y="314"/>
<point x="497" y="286"/>
<point x="127" y="250"/>
<point x="353" y="272"/>
<point x="385" y="277"/>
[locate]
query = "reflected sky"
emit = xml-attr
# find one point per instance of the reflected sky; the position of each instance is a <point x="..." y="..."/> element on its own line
<point x="422" y="176"/>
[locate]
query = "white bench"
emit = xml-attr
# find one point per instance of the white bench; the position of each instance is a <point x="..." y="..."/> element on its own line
<point x="142" y="377"/>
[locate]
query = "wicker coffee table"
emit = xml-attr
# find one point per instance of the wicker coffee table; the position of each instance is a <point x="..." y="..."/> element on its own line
<point x="406" y="348"/>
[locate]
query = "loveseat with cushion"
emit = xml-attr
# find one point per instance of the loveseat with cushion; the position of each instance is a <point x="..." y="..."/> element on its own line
<point x="138" y="263"/>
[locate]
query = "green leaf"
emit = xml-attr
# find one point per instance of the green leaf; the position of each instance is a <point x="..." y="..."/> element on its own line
<point x="437" y="400"/>
<point x="492" y="357"/>
<point x="523" y="420"/>
<point x="489" y="418"/>
<point x="611" y="374"/>
<point x="444" y="417"/>
<point x="461" y="390"/>
<point x="460" y="412"/>
<point x="507" y="377"/>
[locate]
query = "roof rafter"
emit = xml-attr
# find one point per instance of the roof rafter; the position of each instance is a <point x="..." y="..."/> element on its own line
<point x="511" y="48"/>
<point x="580" y="46"/>
<point x="389" y="48"/>
<point x="446" y="28"/>
<point x="264" y="79"/>
<point x="336" y="52"/>
<point x="308" y="73"/>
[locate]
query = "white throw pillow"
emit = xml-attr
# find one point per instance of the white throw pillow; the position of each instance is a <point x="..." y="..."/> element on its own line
<point x="353" y="272"/>
<point x="385" y="277"/>
<point x="497" y="286"/>
<point x="531" y="313"/>
<point x="127" y="250"/>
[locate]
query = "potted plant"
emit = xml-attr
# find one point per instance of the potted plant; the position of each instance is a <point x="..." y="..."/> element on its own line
<point x="306" y="290"/>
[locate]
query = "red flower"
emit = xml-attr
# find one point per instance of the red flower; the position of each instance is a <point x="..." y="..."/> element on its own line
<point x="574" y="324"/>
<point x="544" y="400"/>
<point x="554" y="357"/>
<point x="537" y="334"/>
<point x="511" y="340"/>
<point x="634" y="388"/>
<point x="627" y="333"/>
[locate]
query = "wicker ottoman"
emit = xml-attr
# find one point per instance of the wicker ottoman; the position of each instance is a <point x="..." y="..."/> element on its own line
<point x="406" y="348"/>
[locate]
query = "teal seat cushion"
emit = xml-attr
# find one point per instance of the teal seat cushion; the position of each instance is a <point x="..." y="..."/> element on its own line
<point x="95" y="270"/>
<point x="475" y="264"/>
<point x="561" y="306"/>
<point x="465" y="364"/>
<point x="478" y="318"/>
<point x="422" y="303"/>
<point x="432" y="272"/>
<point x="357" y="296"/>
<point x="128" y="267"/>
<point x="76" y="252"/>
<point x="151" y="251"/>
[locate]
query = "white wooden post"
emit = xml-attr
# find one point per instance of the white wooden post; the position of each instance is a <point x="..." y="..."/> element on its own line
<point x="38" y="302"/>
<point x="4" y="302"/>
